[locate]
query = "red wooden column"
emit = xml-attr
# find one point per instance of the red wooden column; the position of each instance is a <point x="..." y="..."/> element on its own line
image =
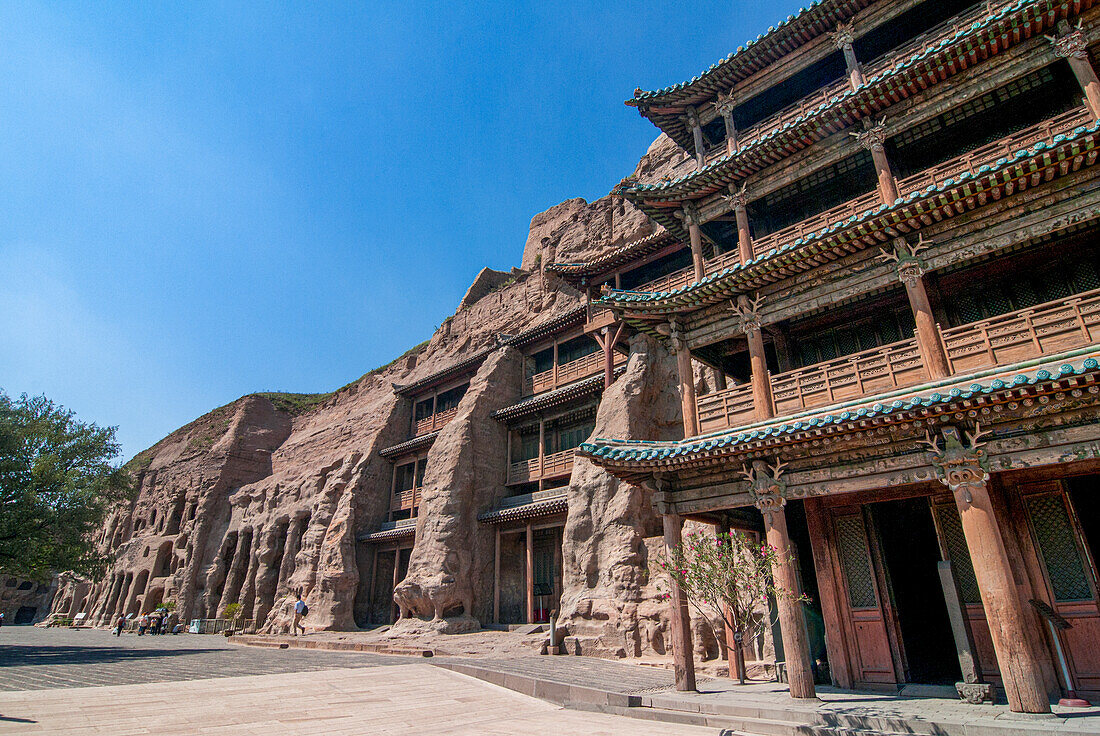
<point x="911" y="273"/>
<point x="690" y="216"/>
<point x="843" y="37"/>
<point x="873" y="138"/>
<point x="530" y="574"/>
<point x="762" y="399"/>
<point x="738" y="200"/>
<point x="607" y="338"/>
<point x="696" y="128"/>
<point x="1072" y="46"/>
<point x="965" y="470"/>
<point x="724" y="107"/>
<point x="687" y="380"/>
<point x="767" y="490"/>
<point x="682" y="661"/>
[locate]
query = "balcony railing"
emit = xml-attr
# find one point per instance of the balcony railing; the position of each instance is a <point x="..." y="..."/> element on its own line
<point x="871" y="69"/>
<point x="407" y="499"/>
<point x="1025" y="334"/>
<point x="434" y="422"/>
<point x="1028" y="333"/>
<point x="968" y="162"/>
<point x="574" y="370"/>
<point x="537" y="468"/>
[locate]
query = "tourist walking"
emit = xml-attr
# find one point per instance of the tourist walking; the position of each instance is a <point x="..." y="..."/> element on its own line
<point x="119" y="625"/>
<point x="300" y="611"/>
<point x="143" y="624"/>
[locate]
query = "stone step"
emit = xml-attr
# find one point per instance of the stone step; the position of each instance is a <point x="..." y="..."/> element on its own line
<point x="254" y="640"/>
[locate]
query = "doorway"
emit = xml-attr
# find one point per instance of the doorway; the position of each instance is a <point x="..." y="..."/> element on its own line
<point x="910" y="553"/>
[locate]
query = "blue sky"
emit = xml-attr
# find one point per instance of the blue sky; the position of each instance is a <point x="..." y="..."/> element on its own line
<point x="200" y="201"/>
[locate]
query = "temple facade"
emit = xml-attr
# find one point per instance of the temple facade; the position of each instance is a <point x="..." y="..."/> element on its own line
<point x="890" y="268"/>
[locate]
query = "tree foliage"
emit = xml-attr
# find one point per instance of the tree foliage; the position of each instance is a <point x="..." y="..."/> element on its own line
<point x="728" y="575"/>
<point x="57" y="481"/>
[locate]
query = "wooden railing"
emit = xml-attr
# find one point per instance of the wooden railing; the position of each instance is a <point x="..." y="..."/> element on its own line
<point x="435" y="421"/>
<point x="871" y="69"/>
<point x="727" y="408"/>
<point x="991" y="152"/>
<point x="537" y="468"/>
<point x="1024" y="334"/>
<point x="871" y="371"/>
<point x="408" y="499"/>
<point x="574" y="370"/>
<point x="970" y="161"/>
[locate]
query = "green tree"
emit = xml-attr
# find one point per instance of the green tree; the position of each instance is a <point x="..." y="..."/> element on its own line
<point x="729" y="575"/>
<point x="57" y="481"/>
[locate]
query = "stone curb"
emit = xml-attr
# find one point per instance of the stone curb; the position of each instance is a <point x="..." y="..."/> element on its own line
<point x="278" y="642"/>
<point x="559" y="693"/>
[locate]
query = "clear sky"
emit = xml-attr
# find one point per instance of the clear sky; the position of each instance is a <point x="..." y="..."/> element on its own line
<point x="203" y="200"/>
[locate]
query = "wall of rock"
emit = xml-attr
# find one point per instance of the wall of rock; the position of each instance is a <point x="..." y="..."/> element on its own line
<point x="265" y="497"/>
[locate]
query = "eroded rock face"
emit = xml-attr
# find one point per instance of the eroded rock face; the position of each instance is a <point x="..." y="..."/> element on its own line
<point x="453" y="558"/>
<point x="609" y="603"/>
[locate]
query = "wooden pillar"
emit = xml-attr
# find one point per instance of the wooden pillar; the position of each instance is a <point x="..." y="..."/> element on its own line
<point x="1072" y="46"/>
<point x="792" y="626"/>
<point x="911" y="273"/>
<point x="542" y="446"/>
<point x="607" y="340"/>
<point x="690" y="216"/>
<point x="696" y="127"/>
<point x="725" y="107"/>
<point x="496" y="577"/>
<point x="680" y="623"/>
<point x="687" y="380"/>
<point x="964" y="469"/>
<point x="395" y="613"/>
<point x="873" y="138"/>
<point x="843" y="37"/>
<point x="555" y="364"/>
<point x="530" y="574"/>
<point x="762" y="400"/>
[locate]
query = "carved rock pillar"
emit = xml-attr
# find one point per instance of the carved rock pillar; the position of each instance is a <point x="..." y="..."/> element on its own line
<point x="1072" y="46"/>
<point x="873" y="138"/>
<point x="761" y="380"/>
<point x="692" y="120"/>
<point x="679" y="620"/>
<point x="843" y="37"/>
<point x="767" y="491"/>
<point x="965" y="470"/>
<point x="687" y="379"/>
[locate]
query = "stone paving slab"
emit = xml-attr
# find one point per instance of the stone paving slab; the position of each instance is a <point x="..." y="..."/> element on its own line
<point x="37" y="658"/>
<point x="405" y="699"/>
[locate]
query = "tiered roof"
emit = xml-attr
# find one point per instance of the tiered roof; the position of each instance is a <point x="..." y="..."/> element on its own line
<point x="1006" y="26"/>
<point x="529" y="506"/>
<point x="961" y="193"/>
<point x="565" y="394"/>
<point x="665" y="107"/>
<point x="409" y="446"/>
<point x="614" y="258"/>
<point x="635" y="458"/>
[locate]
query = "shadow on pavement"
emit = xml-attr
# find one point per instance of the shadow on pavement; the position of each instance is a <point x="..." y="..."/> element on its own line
<point x="12" y="656"/>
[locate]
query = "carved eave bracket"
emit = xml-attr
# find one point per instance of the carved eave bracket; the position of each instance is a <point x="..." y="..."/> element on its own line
<point x="1072" y="45"/>
<point x="766" y="485"/>
<point x="910" y="267"/>
<point x="844" y="35"/>
<point x="725" y="104"/>
<point x="962" y="467"/>
<point x="873" y="135"/>
<point x="738" y="197"/>
<point x="748" y="311"/>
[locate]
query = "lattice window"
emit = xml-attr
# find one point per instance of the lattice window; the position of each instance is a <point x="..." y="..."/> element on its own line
<point x="1056" y="539"/>
<point x="1085" y="277"/>
<point x="855" y="561"/>
<point x="1017" y="87"/>
<point x="951" y="528"/>
<point x="544" y="553"/>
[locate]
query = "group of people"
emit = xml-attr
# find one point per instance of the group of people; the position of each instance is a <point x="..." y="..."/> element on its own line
<point x="154" y="623"/>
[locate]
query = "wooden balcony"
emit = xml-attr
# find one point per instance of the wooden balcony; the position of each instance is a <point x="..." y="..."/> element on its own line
<point x="566" y="373"/>
<point x="434" y="422"/>
<point x="968" y="162"/>
<point x="539" y="468"/>
<point x="871" y="371"/>
<point x="1025" y="334"/>
<point x="408" y="500"/>
<point x="1028" y="333"/>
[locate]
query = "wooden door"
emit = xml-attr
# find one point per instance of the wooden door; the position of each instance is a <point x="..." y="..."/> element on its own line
<point x="860" y="600"/>
<point x="1067" y="578"/>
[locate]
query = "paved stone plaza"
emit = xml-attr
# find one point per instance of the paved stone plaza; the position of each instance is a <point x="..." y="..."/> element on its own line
<point x="165" y="686"/>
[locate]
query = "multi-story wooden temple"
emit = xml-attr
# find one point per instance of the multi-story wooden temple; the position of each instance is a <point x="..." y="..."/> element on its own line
<point x="887" y="255"/>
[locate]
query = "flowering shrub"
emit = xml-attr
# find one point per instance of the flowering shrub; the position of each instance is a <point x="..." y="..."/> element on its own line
<point x="731" y="574"/>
